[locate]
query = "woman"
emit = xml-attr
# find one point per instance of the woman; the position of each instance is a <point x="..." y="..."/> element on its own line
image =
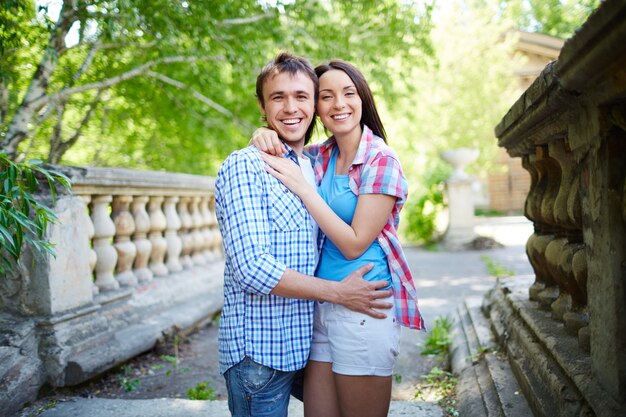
<point x="361" y="192"/>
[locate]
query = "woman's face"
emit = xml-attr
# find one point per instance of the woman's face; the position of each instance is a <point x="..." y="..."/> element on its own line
<point x="339" y="105"/>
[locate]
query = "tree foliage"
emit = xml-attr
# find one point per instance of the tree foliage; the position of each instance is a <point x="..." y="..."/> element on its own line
<point x="560" y="18"/>
<point x="24" y="220"/>
<point x="170" y="84"/>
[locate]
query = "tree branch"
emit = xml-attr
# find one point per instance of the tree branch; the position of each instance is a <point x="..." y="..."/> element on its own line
<point x="243" y="20"/>
<point x="204" y="99"/>
<point x="60" y="147"/>
<point x="109" y="82"/>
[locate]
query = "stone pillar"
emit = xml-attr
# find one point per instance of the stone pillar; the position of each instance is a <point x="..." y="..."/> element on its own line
<point x="159" y="244"/>
<point x="460" y="198"/>
<point x="197" y="235"/>
<point x="185" y="232"/>
<point x="174" y="243"/>
<point x="58" y="284"/>
<point x="140" y="238"/>
<point x="104" y="232"/>
<point x="89" y="230"/>
<point x="126" y="250"/>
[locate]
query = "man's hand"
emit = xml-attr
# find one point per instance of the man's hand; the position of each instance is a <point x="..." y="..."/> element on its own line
<point x="363" y="296"/>
<point x="266" y="140"/>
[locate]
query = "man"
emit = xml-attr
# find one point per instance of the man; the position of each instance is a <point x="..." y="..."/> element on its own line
<point x="266" y="322"/>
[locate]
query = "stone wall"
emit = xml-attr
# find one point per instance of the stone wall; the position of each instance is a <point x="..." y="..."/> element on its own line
<point x="565" y="332"/>
<point x="138" y="255"/>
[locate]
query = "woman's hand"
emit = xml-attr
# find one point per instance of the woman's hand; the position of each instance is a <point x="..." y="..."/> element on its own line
<point x="287" y="172"/>
<point x="266" y="140"/>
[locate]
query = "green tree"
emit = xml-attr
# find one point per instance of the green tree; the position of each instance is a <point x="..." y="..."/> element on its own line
<point x="170" y="84"/>
<point x="558" y="18"/>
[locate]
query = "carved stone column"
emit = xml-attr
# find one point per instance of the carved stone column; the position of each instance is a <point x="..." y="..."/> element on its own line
<point x="104" y="230"/>
<point x="140" y="238"/>
<point x="93" y="257"/>
<point x="207" y="231"/>
<point x="126" y="250"/>
<point x="159" y="244"/>
<point x="217" y="236"/>
<point x="185" y="232"/>
<point x="197" y="235"/>
<point x="174" y="243"/>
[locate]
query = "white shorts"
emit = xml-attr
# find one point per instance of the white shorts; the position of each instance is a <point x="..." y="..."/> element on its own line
<point x="355" y="343"/>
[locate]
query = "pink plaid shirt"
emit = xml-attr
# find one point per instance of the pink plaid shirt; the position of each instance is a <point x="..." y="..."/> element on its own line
<point x="376" y="170"/>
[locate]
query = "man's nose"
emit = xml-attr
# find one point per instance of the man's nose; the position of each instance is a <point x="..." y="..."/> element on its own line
<point x="290" y="106"/>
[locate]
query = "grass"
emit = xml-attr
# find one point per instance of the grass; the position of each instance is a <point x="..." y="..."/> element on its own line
<point x="495" y="269"/>
<point x="438" y="339"/>
<point x="126" y="382"/>
<point x="201" y="392"/>
<point x="439" y="385"/>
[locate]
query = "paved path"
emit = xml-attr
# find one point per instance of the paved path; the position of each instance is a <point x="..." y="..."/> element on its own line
<point x="443" y="280"/>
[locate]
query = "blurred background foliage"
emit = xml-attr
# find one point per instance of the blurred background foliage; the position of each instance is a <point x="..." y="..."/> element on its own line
<point x="169" y="84"/>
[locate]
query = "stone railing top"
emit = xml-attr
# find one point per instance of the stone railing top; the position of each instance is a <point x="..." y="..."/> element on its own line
<point x="591" y="64"/>
<point x="597" y="49"/>
<point x="97" y="180"/>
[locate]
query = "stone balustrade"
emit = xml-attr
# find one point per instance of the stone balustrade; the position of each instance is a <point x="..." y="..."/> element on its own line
<point x="566" y="336"/>
<point x="138" y="255"/>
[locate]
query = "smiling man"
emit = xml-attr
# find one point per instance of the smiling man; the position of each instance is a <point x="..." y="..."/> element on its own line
<point x="271" y="253"/>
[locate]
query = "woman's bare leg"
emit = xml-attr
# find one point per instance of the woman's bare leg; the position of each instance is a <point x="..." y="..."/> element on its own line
<point x="363" y="396"/>
<point x="320" y="395"/>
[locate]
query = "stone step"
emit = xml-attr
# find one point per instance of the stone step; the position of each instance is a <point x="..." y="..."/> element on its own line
<point x="169" y="407"/>
<point x="486" y="385"/>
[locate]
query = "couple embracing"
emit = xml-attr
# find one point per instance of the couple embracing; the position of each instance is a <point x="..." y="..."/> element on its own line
<point x="315" y="278"/>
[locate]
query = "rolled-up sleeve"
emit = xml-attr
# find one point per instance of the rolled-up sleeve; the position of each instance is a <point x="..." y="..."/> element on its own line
<point x="242" y="211"/>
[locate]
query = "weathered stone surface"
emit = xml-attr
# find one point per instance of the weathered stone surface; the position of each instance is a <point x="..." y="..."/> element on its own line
<point x="486" y="384"/>
<point x="20" y="367"/>
<point x="569" y="130"/>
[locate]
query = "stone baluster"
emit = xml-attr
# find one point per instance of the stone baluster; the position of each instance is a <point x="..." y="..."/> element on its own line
<point x="159" y="244"/>
<point x="93" y="257"/>
<point x="197" y="223"/>
<point x="126" y="250"/>
<point x="550" y="177"/>
<point x="140" y="238"/>
<point x="217" y="236"/>
<point x="104" y="230"/>
<point x="207" y="231"/>
<point x="174" y="243"/>
<point x="185" y="232"/>
<point x="544" y="289"/>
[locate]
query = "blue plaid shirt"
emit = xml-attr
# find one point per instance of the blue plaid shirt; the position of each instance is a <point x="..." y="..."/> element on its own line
<point x="265" y="229"/>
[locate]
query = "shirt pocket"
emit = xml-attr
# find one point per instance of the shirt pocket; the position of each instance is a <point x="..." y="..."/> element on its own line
<point x="287" y="211"/>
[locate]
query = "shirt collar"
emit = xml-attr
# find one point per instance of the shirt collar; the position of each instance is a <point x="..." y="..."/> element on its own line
<point x="365" y="144"/>
<point x="291" y="154"/>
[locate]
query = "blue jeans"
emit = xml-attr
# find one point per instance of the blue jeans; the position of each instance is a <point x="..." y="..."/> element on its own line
<point x="254" y="390"/>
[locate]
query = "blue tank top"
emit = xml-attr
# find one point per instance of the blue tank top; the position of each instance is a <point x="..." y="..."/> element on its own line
<point x="335" y="190"/>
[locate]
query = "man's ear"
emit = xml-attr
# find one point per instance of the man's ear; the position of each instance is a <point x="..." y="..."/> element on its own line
<point x="261" y="107"/>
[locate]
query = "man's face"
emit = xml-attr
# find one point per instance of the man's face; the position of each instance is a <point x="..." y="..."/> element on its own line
<point x="289" y="105"/>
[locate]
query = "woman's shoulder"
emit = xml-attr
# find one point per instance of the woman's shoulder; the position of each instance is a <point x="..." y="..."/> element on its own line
<point x="380" y="149"/>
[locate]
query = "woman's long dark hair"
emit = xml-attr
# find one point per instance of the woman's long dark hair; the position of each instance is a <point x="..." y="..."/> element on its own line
<point x="369" y="115"/>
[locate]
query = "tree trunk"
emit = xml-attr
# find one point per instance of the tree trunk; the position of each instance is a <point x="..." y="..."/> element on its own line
<point x="36" y="94"/>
